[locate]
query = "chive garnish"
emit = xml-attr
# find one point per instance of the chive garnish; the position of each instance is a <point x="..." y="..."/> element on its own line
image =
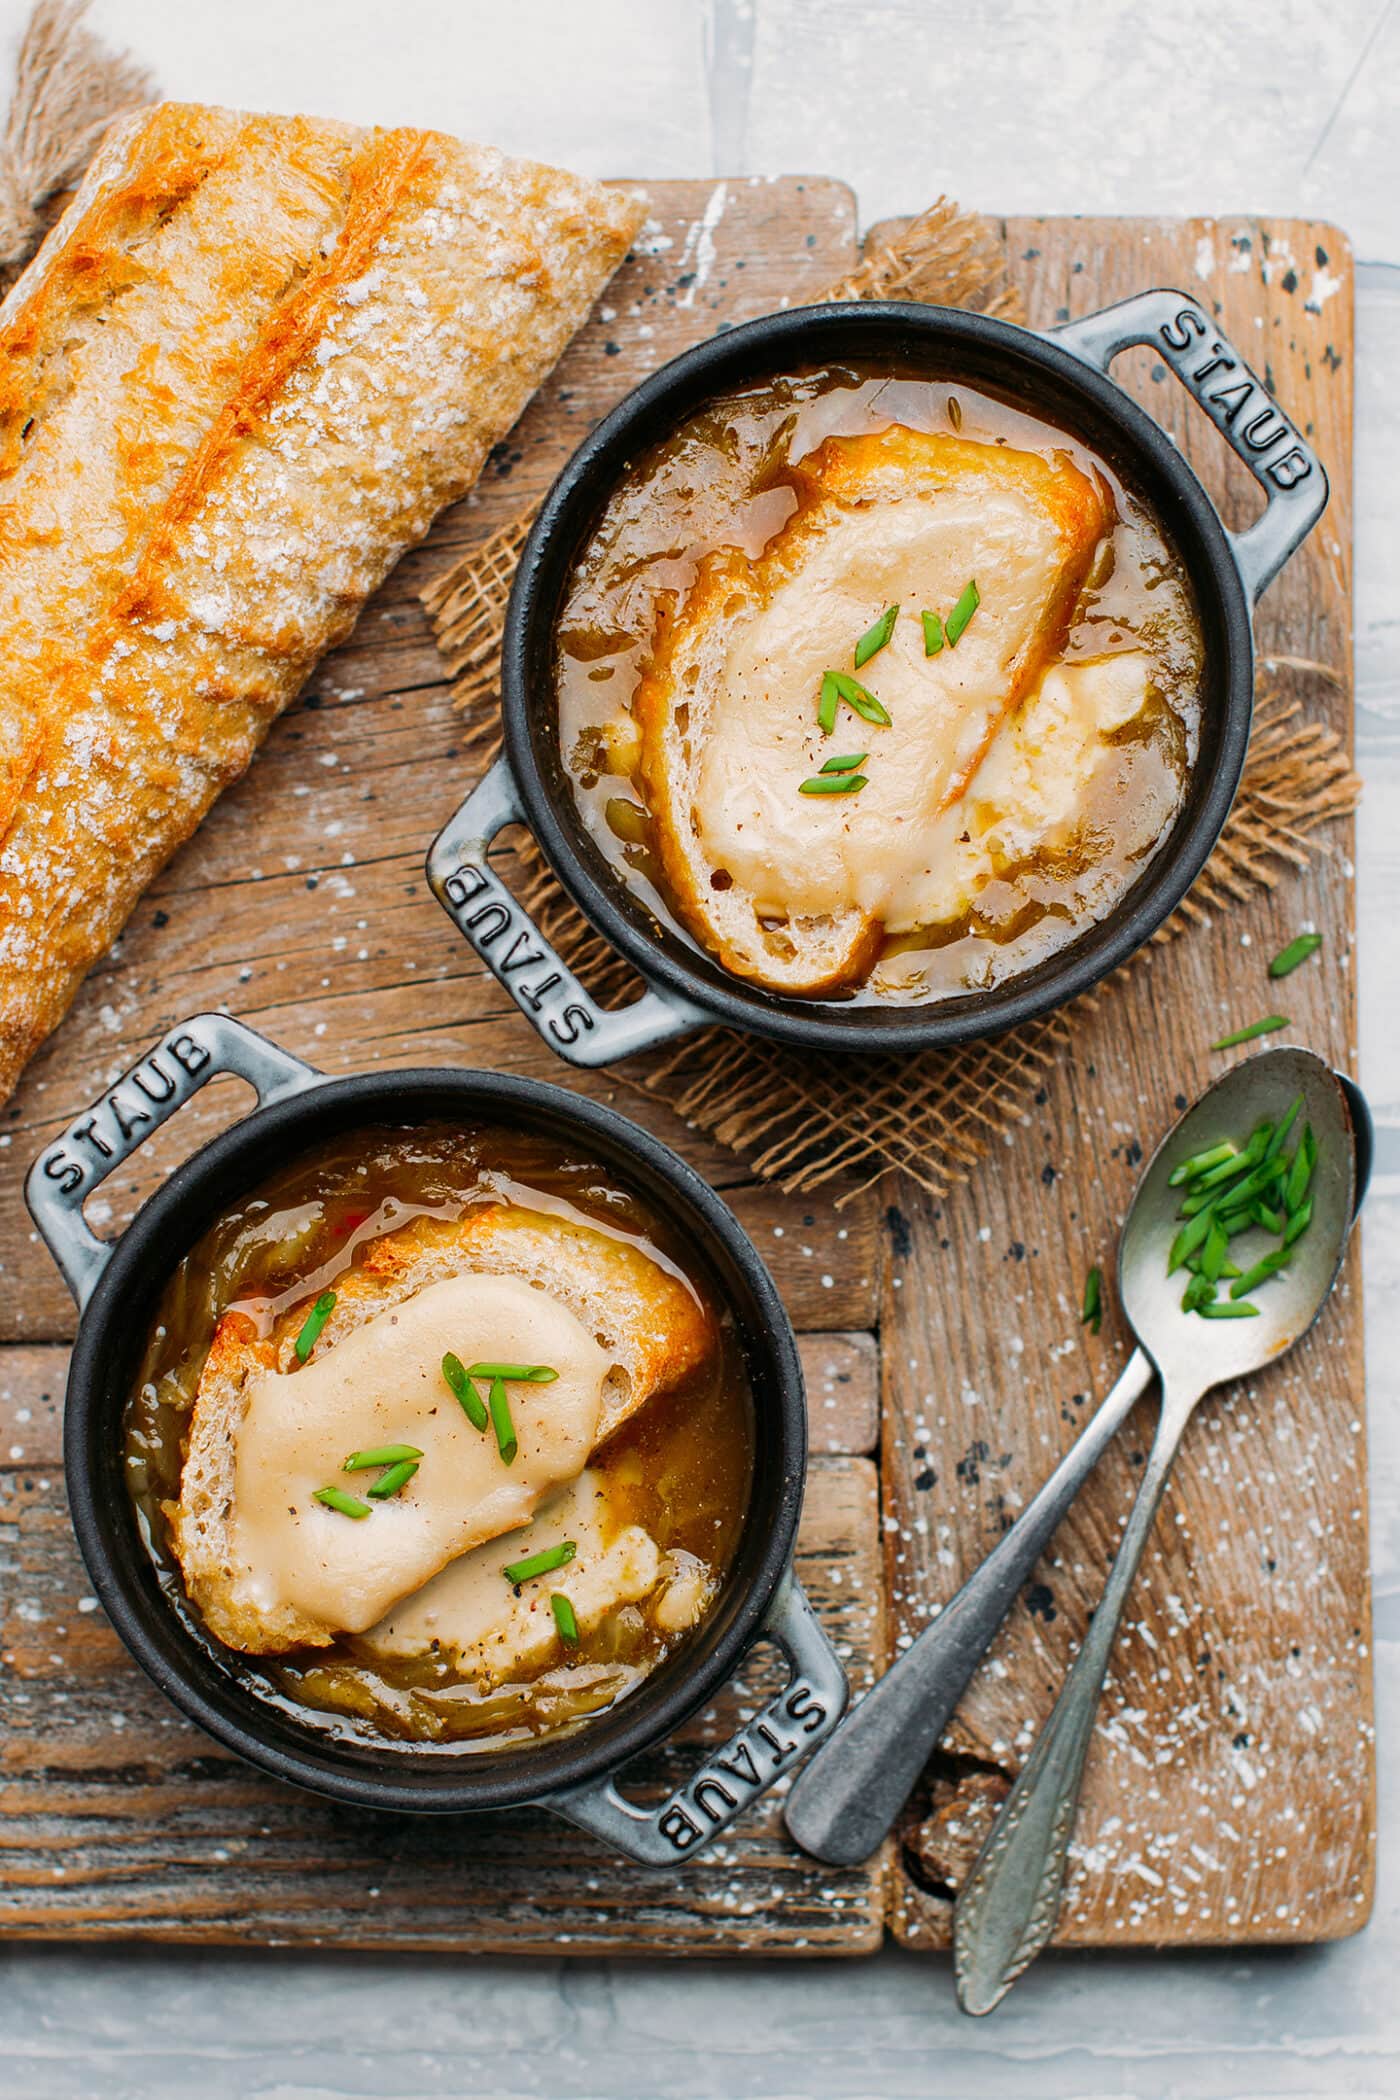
<point x="847" y="764"/>
<point x="383" y="1455"/>
<point x="470" y="1400"/>
<point x="517" y="1374"/>
<point x="1246" y="1035"/>
<point x="1188" y="1240"/>
<point x="1091" y="1313"/>
<point x="1229" y="1189"/>
<point x="1213" y="1253"/>
<point x="859" y="697"/>
<point x="1267" y="1265"/>
<point x="315" y="1321"/>
<point x="825" y="783"/>
<point x="1275" y="1144"/>
<point x="1296" y="952"/>
<point x="1201" y="1163"/>
<point x="564" y="1616"/>
<point x="390" y="1482"/>
<point x="541" y="1563"/>
<point x="933" y="633"/>
<point x="874" y="638"/>
<point x="337" y="1499"/>
<point x="1299" y="1173"/>
<point x="501" y="1422"/>
<point x="962" y="612"/>
<point x="830" y="701"/>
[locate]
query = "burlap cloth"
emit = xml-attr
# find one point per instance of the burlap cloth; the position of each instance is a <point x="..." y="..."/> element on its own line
<point x="792" y="1115"/>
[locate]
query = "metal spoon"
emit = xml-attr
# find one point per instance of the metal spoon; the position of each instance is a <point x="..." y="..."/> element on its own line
<point x="848" y="1796"/>
<point x="1006" y="1910"/>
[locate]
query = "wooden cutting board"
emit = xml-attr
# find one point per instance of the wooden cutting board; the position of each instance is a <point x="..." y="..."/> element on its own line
<point x="1230" y="1792"/>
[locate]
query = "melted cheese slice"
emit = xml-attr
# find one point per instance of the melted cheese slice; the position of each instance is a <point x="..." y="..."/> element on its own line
<point x="383" y="1384"/>
<point x="800" y="854"/>
<point x="728" y="706"/>
<point x="1029" y="792"/>
<point x="492" y="1631"/>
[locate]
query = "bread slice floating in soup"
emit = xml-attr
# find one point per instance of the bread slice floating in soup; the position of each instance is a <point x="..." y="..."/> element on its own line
<point x="876" y="686"/>
<point x="270" y="1565"/>
<point x="795" y="891"/>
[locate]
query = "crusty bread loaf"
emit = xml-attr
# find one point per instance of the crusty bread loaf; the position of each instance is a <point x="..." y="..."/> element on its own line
<point x="648" y="1323"/>
<point x="251" y="363"/>
<point x="796" y="892"/>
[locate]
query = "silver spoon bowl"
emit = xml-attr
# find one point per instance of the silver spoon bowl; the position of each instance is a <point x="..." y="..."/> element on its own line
<point x="851" y="1791"/>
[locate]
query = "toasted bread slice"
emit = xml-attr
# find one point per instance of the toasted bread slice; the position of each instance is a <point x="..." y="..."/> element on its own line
<point x="792" y="891"/>
<point x="271" y="1571"/>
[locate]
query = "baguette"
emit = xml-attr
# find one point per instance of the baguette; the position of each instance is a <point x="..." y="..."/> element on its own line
<point x="251" y="363"/>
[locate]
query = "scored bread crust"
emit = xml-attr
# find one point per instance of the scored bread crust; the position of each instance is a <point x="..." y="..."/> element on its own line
<point x="815" y="956"/>
<point x="649" y="1322"/>
<point x="250" y="364"/>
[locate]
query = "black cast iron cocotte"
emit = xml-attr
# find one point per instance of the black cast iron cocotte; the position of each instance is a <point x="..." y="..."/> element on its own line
<point x="117" y="1284"/>
<point x="1061" y="376"/>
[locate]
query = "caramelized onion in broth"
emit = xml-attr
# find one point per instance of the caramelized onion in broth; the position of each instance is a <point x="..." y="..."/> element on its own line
<point x="680" y="1468"/>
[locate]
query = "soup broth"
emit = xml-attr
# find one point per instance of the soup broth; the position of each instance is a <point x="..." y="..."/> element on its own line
<point x="734" y="481"/>
<point x="680" y="1467"/>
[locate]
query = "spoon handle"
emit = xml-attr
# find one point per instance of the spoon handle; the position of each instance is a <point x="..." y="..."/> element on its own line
<point x="852" y="1790"/>
<point x="1007" y="1907"/>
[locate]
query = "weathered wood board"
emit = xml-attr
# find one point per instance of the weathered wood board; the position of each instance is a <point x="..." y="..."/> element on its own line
<point x="1233" y="1775"/>
<point x="1230" y="1789"/>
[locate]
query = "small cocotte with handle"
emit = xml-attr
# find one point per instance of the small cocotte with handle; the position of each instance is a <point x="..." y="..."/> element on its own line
<point x="1062" y="376"/>
<point x="116" y="1284"/>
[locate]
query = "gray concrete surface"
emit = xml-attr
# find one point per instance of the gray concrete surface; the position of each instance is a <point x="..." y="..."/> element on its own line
<point x="1103" y="105"/>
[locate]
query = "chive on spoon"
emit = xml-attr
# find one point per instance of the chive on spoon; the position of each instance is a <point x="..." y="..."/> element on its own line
<point x="849" y="1794"/>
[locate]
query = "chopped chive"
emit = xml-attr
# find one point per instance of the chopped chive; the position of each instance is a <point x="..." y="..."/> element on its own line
<point x="382" y="1455"/>
<point x="830" y="701"/>
<point x="1188" y="1240"/>
<point x="962" y="612"/>
<point x="1275" y="1144"/>
<point x="1213" y="1253"/>
<point x="1298" y="1224"/>
<point x="501" y="1422"/>
<point x="1229" y="1169"/>
<point x="470" y="1400"/>
<point x="391" y="1482"/>
<point x="517" y="1374"/>
<point x="874" y="638"/>
<point x="1299" y="1175"/>
<point x="337" y="1499"/>
<point x="1267" y="1265"/>
<point x="1198" y="1292"/>
<point x="1229" y="1309"/>
<point x="1246" y="1035"/>
<point x="933" y="633"/>
<point x="847" y="764"/>
<point x="1271" y="1220"/>
<point x="315" y="1321"/>
<point x="1091" y="1316"/>
<point x="564" y="1617"/>
<point x="1201" y="1163"/>
<point x="860" y="698"/>
<point x="1296" y="952"/>
<point x="541" y="1563"/>
<point x="833" y="784"/>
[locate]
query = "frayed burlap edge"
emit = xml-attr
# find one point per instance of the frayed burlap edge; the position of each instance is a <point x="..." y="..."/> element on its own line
<point x="790" y="1115"/>
<point x="68" y="88"/>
